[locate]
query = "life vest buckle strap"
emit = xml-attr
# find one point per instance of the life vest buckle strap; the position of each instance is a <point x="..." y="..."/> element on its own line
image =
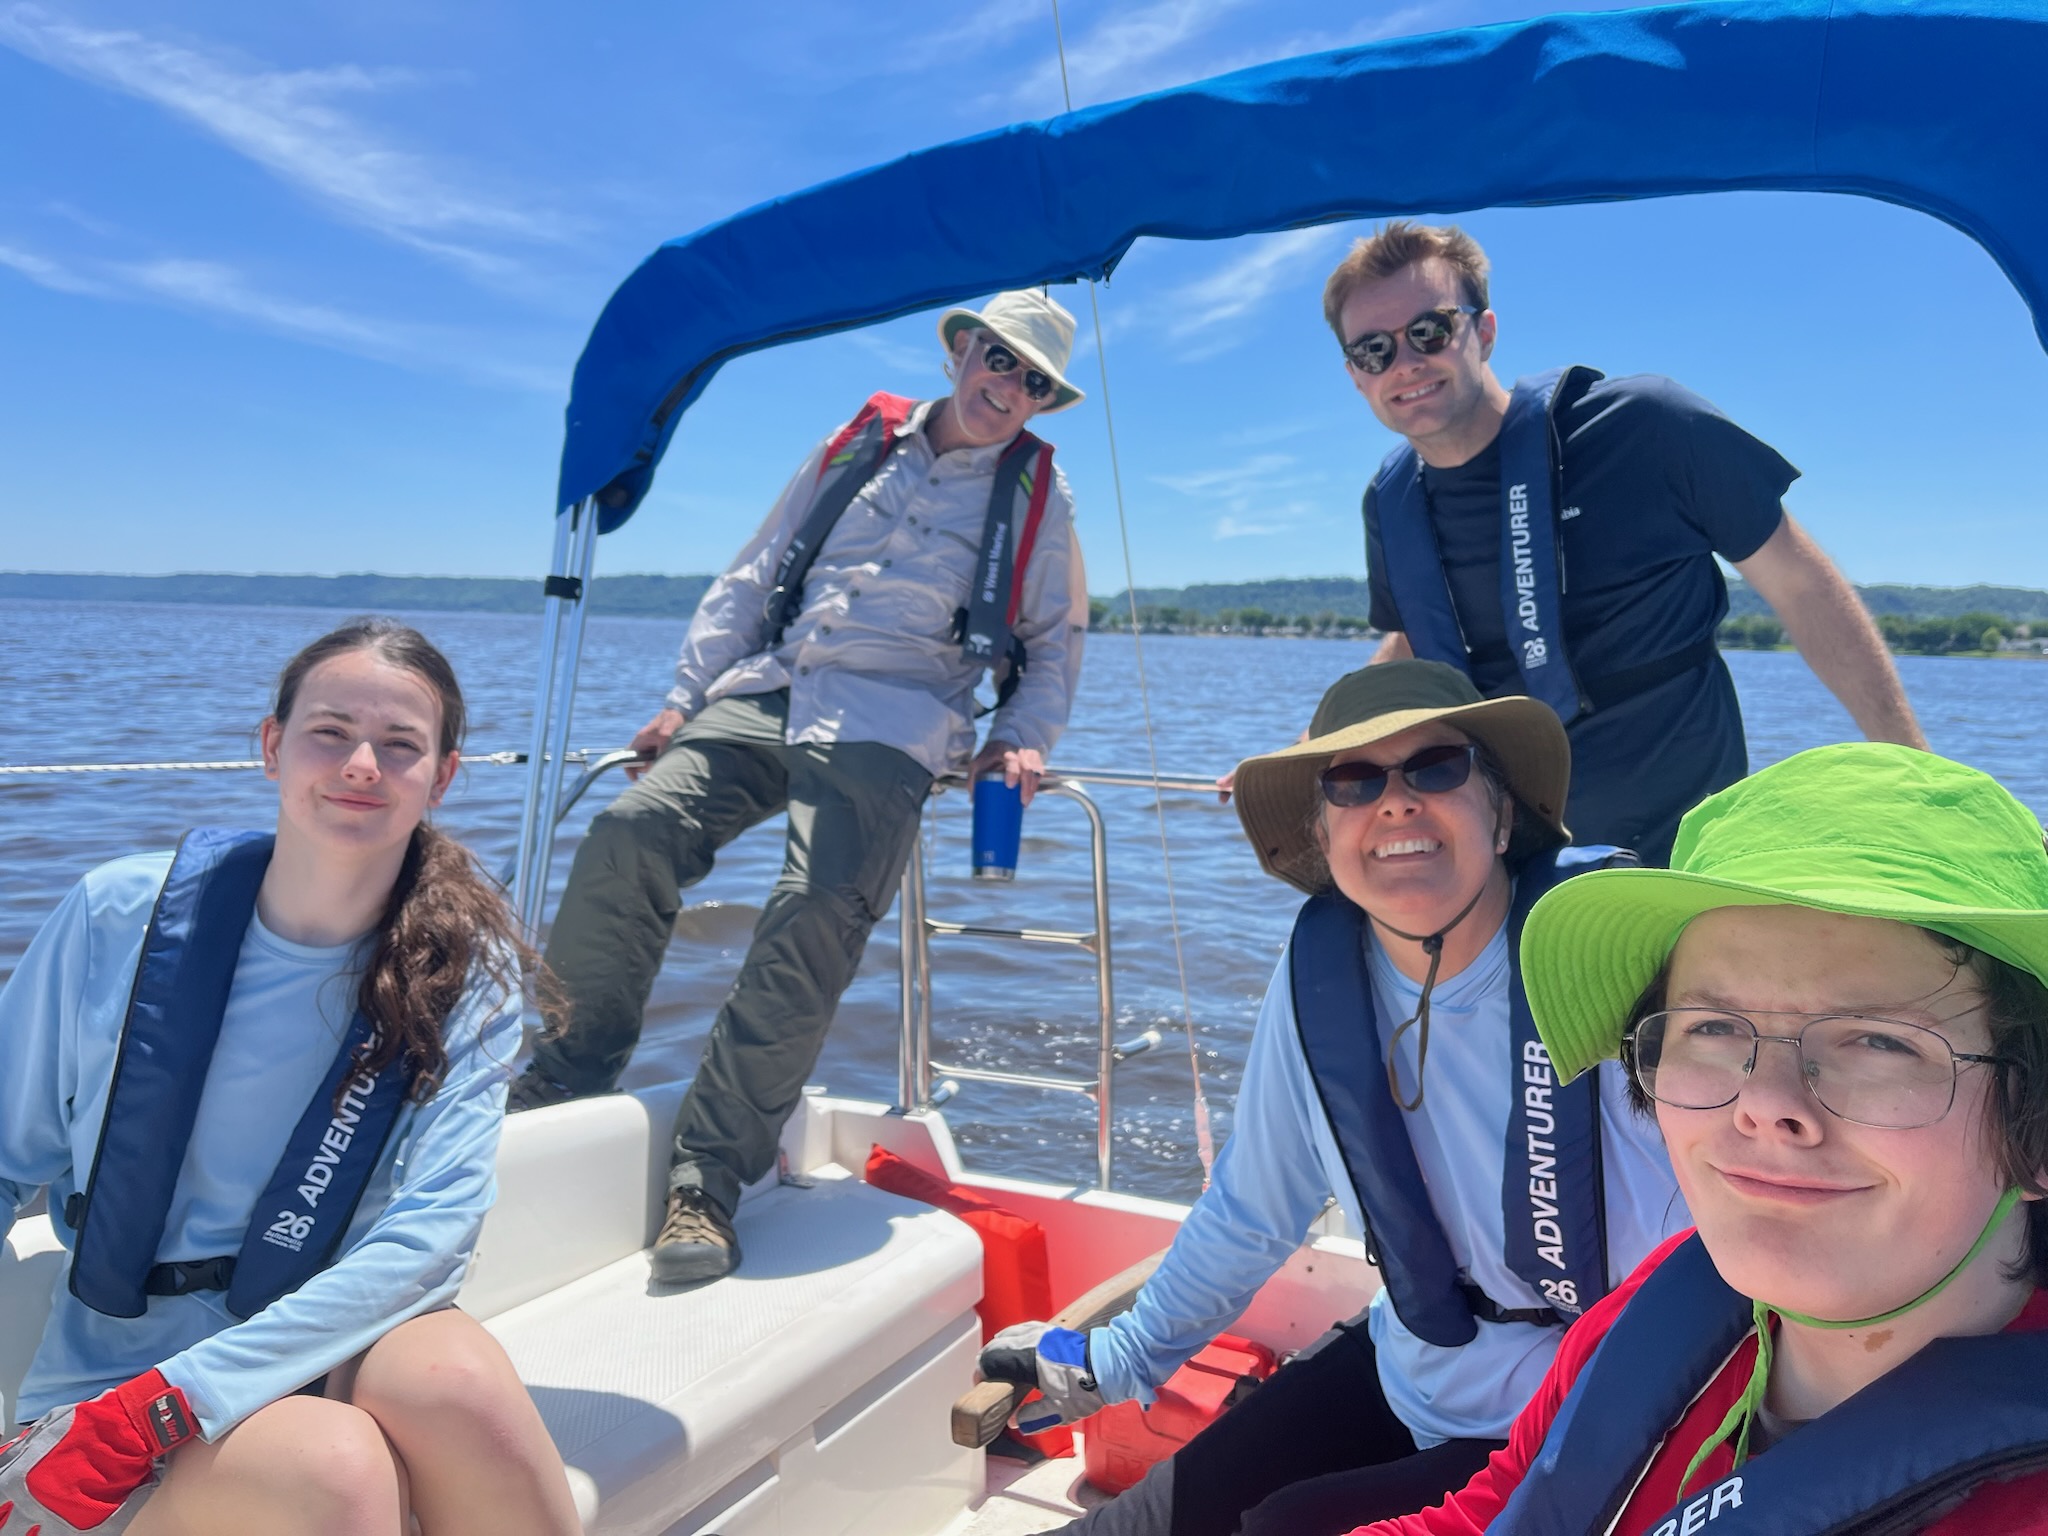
<point x="215" y="1274"/>
<point x="1487" y="1310"/>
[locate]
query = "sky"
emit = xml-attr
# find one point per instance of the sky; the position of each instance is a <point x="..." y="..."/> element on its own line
<point x="299" y="289"/>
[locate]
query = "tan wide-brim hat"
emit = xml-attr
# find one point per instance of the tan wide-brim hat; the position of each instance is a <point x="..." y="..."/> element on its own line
<point x="1278" y="796"/>
<point x="1031" y="325"/>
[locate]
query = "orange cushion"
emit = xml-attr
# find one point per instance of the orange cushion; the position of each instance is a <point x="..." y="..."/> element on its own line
<point x="1016" y="1275"/>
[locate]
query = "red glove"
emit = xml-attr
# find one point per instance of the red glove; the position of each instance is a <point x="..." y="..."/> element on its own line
<point x="79" y="1465"/>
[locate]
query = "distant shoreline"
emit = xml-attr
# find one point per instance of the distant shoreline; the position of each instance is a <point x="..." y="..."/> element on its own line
<point x="1922" y="619"/>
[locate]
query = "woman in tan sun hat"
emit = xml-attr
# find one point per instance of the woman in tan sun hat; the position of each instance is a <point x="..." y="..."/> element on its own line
<point x="1395" y="1066"/>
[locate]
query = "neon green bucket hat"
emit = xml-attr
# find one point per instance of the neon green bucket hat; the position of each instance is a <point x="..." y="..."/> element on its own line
<point x="1863" y="828"/>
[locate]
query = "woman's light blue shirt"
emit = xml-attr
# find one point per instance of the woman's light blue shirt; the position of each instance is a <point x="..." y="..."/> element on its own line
<point x="410" y="1240"/>
<point x="1282" y="1164"/>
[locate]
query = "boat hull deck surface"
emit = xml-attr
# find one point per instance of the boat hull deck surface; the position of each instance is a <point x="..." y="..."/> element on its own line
<point x="809" y="1391"/>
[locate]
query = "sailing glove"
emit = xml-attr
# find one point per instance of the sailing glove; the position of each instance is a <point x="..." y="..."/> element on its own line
<point x="74" y="1469"/>
<point x="1055" y="1361"/>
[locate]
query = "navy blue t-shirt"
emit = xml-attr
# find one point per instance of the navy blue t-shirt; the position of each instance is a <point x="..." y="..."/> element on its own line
<point x="1656" y="482"/>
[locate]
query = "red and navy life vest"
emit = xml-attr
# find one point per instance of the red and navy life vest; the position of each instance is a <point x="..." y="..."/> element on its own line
<point x="1016" y="506"/>
<point x="1551" y="1188"/>
<point x="1891" y="1459"/>
<point x="1532" y="571"/>
<point x="174" y="1016"/>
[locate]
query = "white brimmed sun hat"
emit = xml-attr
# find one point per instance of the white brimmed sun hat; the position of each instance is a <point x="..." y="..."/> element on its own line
<point x="1029" y="324"/>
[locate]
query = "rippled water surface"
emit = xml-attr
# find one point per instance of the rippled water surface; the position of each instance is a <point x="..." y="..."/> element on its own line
<point x="133" y="682"/>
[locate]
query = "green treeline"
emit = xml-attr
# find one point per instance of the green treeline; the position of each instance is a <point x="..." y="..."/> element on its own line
<point x="1978" y="630"/>
<point x="1932" y="621"/>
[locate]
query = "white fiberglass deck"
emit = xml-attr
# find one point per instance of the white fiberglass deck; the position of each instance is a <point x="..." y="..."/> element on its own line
<point x="809" y="1392"/>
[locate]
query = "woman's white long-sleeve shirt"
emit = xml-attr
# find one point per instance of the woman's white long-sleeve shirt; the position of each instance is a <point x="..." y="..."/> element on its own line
<point x="410" y="1241"/>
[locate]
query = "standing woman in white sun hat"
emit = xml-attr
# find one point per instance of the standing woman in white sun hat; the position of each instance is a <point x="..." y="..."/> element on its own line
<point x="1395" y="1066"/>
<point x="829" y="672"/>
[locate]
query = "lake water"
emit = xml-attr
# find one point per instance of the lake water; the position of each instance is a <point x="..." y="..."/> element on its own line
<point x="133" y="682"/>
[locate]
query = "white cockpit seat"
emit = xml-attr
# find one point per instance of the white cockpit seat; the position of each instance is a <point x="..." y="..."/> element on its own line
<point x="809" y="1391"/>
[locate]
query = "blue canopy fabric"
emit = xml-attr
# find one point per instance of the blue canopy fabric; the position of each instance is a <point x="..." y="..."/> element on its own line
<point x="1933" y="104"/>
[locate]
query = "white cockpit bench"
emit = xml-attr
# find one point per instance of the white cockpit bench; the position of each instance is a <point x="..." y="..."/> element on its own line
<point x="807" y="1392"/>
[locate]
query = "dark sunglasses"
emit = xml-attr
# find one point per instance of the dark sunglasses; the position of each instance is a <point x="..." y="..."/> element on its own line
<point x="997" y="358"/>
<point x="1428" y="333"/>
<point x="1432" y="771"/>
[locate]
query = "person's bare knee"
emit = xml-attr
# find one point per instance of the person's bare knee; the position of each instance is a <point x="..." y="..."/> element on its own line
<point x="302" y="1466"/>
<point x="472" y="1444"/>
<point x="438" y="1375"/>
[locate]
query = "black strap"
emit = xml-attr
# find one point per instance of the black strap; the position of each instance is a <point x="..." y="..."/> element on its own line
<point x="192" y="1275"/>
<point x="1617" y="687"/>
<point x="1007" y="678"/>
<point x="1487" y="1310"/>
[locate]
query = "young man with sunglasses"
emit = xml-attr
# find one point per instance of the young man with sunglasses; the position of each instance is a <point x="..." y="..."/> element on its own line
<point x="831" y="673"/>
<point x="1558" y="539"/>
<point x="1395" y="1067"/>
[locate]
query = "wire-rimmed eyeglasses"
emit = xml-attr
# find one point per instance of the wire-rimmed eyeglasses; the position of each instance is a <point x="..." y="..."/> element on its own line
<point x="1884" y="1073"/>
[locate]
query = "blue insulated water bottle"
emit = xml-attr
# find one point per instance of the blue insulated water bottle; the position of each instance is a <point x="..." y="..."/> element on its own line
<point x="998" y="827"/>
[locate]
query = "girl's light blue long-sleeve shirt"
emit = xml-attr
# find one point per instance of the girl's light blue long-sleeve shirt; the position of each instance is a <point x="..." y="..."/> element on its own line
<point x="1282" y="1164"/>
<point x="410" y="1241"/>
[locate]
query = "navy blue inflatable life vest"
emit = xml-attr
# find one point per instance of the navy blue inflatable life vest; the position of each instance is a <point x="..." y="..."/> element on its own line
<point x="1891" y="1459"/>
<point x="1532" y="570"/>
<point x="174" y="1015"/>
<point x="1531" y="566"/>
<point x="1551" y="1193"/>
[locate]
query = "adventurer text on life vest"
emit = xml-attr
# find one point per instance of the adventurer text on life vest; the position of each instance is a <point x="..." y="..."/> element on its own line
<point x="1537" y="1081"/>
<point x="291" y="1229"/>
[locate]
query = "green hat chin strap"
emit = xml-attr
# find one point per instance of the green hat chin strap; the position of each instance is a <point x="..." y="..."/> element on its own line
<point x="1742" y="1416"/>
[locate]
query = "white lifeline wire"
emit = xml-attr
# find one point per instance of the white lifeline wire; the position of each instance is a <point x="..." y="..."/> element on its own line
<point x="1205" y="1141"/>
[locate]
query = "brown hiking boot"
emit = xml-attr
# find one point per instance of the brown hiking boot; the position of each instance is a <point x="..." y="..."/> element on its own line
<point x="696" y="1242"/>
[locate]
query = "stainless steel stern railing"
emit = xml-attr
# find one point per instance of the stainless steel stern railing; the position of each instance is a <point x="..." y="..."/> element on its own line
<point x="916" y="1067"/>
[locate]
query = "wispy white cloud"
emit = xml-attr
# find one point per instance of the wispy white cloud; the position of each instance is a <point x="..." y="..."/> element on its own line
<point x="1262" y="493"/>
<point x="293" y="124"/>
<point x="1169" y="42"/>
<point x="222" y="291"/>
<point x="895" y="353"/>
<point x="1133" y="50"/>
<point x="1260" y="472"/>
<point x="935" y="41"/>
<point x="45" y="273"/>
<point x="1228" y="527"/>
<point x="1206" y="316"/>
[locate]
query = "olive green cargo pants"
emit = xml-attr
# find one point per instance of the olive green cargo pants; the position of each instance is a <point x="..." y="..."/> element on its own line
<point x="853" y="817"/>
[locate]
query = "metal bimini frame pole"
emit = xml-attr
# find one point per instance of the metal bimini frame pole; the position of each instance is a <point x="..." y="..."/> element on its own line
<point x="568" y="578"/>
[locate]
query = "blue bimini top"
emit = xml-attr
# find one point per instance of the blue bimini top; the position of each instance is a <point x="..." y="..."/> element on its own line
<point x="1932" y="104"/>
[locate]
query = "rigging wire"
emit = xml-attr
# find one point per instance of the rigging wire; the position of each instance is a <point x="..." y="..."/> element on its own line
<point x="1205" y="1141"/>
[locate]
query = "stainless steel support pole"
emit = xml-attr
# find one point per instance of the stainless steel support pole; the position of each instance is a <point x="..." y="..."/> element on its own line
<point x="906" y="971"/>
<point x="582" y="555"/>
<point x="530" y="808"/>
<point x="924" y="985"/>
<point x="1105" y="983"/>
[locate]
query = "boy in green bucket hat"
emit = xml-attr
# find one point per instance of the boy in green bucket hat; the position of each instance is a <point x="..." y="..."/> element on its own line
<point x="1833" y="1003"/>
